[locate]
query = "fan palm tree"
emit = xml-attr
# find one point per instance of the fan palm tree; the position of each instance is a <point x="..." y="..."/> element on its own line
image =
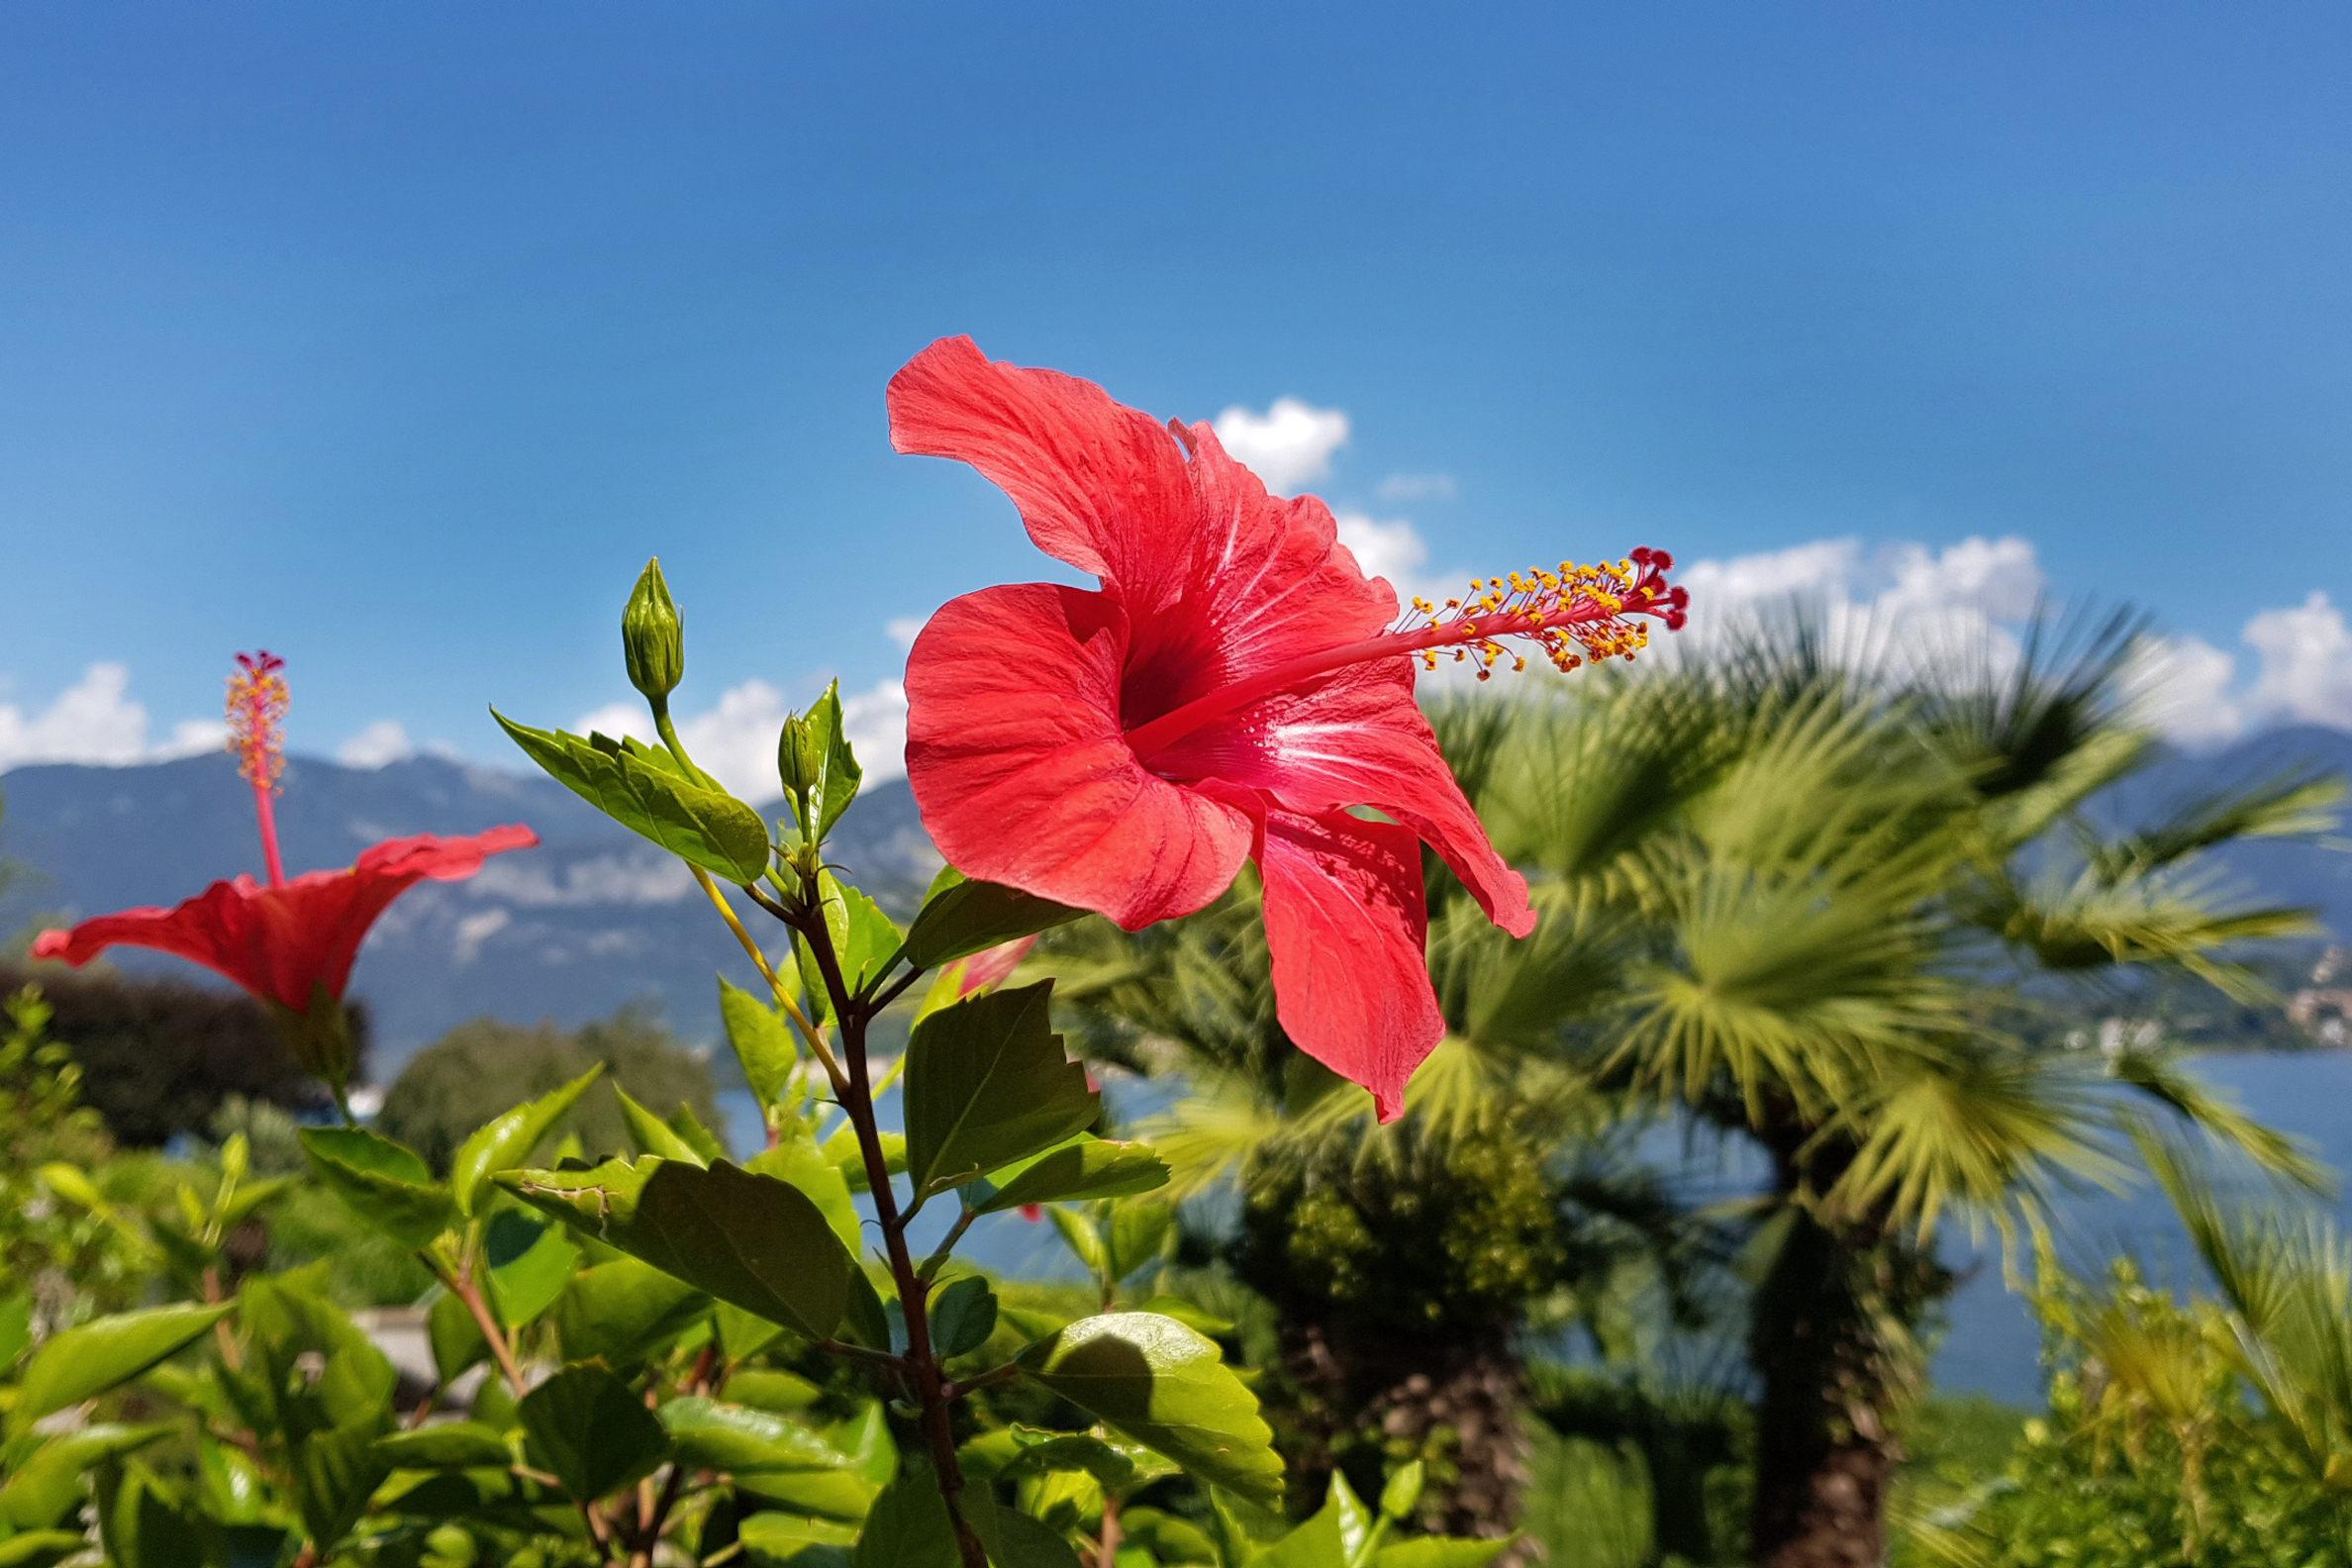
<point x="1799" y="903"/>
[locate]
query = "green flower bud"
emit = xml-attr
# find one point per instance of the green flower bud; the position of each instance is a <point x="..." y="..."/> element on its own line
<point x="654" y="636"/>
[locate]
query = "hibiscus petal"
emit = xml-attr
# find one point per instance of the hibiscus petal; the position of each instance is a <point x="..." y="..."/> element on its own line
<point x="1345" y="924"/>
<point x="1017" y="762"/>
<point x="1099" y="485"/>
<point x="1218" y="578"/>
<point x="1356" y="737"/>
<point x="281" y="943"/>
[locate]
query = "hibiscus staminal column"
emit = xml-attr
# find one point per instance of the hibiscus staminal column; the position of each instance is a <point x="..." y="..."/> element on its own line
<point x="257" y="701"/>
<point x="1574" y="616"/>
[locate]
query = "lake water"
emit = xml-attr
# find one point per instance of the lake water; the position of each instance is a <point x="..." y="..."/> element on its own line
<point x="1991" y="1345"/>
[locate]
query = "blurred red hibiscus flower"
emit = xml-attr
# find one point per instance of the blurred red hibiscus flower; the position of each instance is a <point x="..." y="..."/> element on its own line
<point x="290" y="944"/>
<point x="1234" y="687"/>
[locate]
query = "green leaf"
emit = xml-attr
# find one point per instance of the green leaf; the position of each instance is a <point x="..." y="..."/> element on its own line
<point x="1441" y="1552"/>
<point x="530" y="1261"/>
<point x="742" y="1336"/>
<point x="797" y="1159"/>
<point x="47" y="1487"/>
<point x="865" y="1438"/>
<point x="334" y="1471"/>
<point x="646" y="791"/>
<point x="82" y="1363"/>
<point x="700" y="1138"/>
<point x="1010" y="1453"/>
<point x="753" y="1241"/>
<point x="1137" y="1235"/>
<point x="850" y="1159"/>
<point x="986" y="1084"/>
<point x="454" y="1336"/>
<point x="595" y="1435"/>
<point x="715" y="1435"/>
<point x="1317" y="1544"/>
<point x="1187" y="1313"/>
<point x="40" y="1548"/>
<point x="1080" y="1234"/>
<point x="1014" y="1540"/>
<point x="622" y="1311"/>
<point x="764" y="1388"/>
<point x="505" y="1142"/>
<point x="865" y="941"/>
<point x="763" y="1043"/>
<point x="909" y="1527"/>
<point x="1085" y="1167"/>
<point x="960" y="916"/>
<point x="652" y="1136"/>
<point x="1402" y="1491"/>
<point x="382" y="1182"/>
<point x="15" y="1327"/>
<point x="1167" y="1388"/>
<point x="450" y="1446"/>
<point x="770" y="1539"/>
<point x="963" y="1316"/>
<point x="836" y="1495"/>
<point x="819" y="771"/>
<point x="866" y="1319"/>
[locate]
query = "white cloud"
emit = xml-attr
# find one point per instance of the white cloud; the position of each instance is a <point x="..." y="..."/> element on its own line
<point x="903" y="629"/>
<point x="2307" y="663"/>
<point x="1416" y="487"/>
<point x="2182" y="686"/>
<point x="1393" y="549"/>
<point x="384" y="741"/>
<point x="95" y="721"/>
<point x="1287" y="445"/>
<point x="736" y="741"/>
<point x="475" y="930"/>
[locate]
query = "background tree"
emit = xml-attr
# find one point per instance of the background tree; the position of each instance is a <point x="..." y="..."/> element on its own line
<point x="481" y="1068"/>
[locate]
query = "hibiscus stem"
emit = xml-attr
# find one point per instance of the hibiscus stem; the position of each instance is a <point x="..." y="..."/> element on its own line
<point x="932" y="1389"/>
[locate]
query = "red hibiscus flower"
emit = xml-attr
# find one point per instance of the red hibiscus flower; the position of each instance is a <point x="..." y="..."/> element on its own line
<point x="292" y="943"/>
<point x="1232" y="691"/>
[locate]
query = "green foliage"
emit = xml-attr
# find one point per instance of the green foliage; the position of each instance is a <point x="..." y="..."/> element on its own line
<point x="987" y="1084"/>
<point x="650" y="792"/>
<point x="75" y="1258"/>
<point x="160" y="1056"/>
<point x="481" y="1070"/>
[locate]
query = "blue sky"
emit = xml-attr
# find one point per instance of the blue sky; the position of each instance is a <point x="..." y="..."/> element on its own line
<point x="396" y="337"/>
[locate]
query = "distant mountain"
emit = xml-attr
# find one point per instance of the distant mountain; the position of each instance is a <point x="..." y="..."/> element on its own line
<point x="592" y="918"/>
<point x="596" y="917"/>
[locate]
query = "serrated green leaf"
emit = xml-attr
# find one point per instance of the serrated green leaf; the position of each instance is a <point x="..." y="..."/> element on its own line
<point x="1137" y="1235"/>
<point x="961" y="916"/>
<point x="334" y="1471"/>
<point x="646" y="791"/>
<point x="505" y="1142"/>
<point x="717" y="1435"/>
<point x="530" y="1260"/>
<point x="1441" y="1552"/>
<point x="963" y="1315"/>
<point x="1084" y="1166"/>
<point x="987" y="1084"/>
<point x="46" y="1486"/>
<point x="448" y="1446"/>
<point x="382" y="1182"/>
<point x="594" y="1434"/>
<point x="909" y="1527"/>
<point x="772" y="1539"/>
<point x="1167" y="1388"/>
<point x="764" y="1045"/>
<point x="83" y="1362"/>
<point x="770" y="1389"/>
<point x="622" y="1311"/>
<point x="652" y="1136"/>
<point x="753" y="1241"/>
<point x="796" y="1158"/>
<point x="454" y="1336"/>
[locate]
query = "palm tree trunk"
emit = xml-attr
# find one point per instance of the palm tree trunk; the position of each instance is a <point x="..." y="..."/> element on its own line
<point x="1829" y="1337"/>
<point x="1459" y="1405"/>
